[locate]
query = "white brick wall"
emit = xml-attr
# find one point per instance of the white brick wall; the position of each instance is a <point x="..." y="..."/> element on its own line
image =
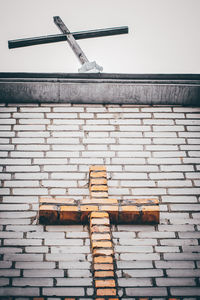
<point x="149" y="151"/>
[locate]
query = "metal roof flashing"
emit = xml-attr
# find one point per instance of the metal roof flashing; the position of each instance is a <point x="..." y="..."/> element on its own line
<point x="101" y="88"/>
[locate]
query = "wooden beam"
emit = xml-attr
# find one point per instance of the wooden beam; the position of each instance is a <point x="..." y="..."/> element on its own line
<point x="47" y="39"/>
<point x="71" y="40"/>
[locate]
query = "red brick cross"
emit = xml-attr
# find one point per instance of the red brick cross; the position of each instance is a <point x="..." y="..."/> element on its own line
<point x="99" y="210"/>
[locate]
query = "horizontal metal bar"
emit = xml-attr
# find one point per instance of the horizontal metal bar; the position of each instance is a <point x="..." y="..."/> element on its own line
<point x="61" y="37"/>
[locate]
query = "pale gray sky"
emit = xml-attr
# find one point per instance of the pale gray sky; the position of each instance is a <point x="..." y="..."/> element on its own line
<point x="163" y="35"/>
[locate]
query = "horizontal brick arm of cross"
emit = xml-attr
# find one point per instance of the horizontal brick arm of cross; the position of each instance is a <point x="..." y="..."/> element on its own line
<point x="69" y="211"/>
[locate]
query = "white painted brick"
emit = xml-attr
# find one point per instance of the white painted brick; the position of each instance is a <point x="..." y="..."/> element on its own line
<point x="78" y="191"/>
<point x="166" y="175"/>
<point x="43" y="273"/>
<point x="156" y="109"/>
<point x="129" y="176"/>
<point x="62" y="242"/>
<point x="4" y="176"/>
<point x="60" y="168"/>
<point x="4" y="191"/>
<point x="5" y="115"/>
<point x="27" y="191"/>
<point x="5" y="127"/>
<point x="174" y="183"/>
<point x="7" y="134"/>
<point x="22" y="242"/>
<point x="125" y="121"/>
<point x="149" y="191"/>
<point x="179" y="199"/>
<point x="28" y="115"/>
<point x="23" y="257"/>
<point x="62" y="115"/>
<point x="64" y="257"/>
<point x="194" y="153"/>
<point x="190" y="134"/>
<point x="126" y="147"/>
<point x="169" y="154"/>
<point x="87" y="161"/>
<point x="8" y="109"/>
<point x="97" y="121"/>
<point x="126" y="161"/>
<point x="62" y="154"/>
<point x="122" y="109"/>
<point x="177" y="168"/>
<point x="98" y="141"/>
<point x="126" y="134"/>
<point x="68" y="121"/>
<point x="68" y="109"/>
<point x="134" y="128"/>
<point x="168" y="128"/>
<point x="169" y="116"/>
<point x="161" y="134"/>
<point x="133" y="154"/>
<point x="67" y="134"/>
<point x="35" y="265"/>
<point x="193" y="116"/>
<point x="188" y="122"/>
<point x="72" y="282"/>
<point x="19" y="183"/>
<point x="29" y="127"/>
<point x="50" y="161"/>
<point x="32" y="282"/>
<point x="158" y="122"/>
<point x="193" y="141"/>
<point x="33" y="134"/>
<point x="27" y="140"/>
<point x="98" y="128"/>
<point x="7" y="121"/>
<point x="145" y="168"/>
<point x="186" y="109"/>
<point x="34" y="109"/>
<point x="22" y="168"/>
<point x="10" y="161"/>
<point x="98" y="147"/>
<point x="63" y="141"/>
<point x="135" y="141"/>
<point x="34" y="121"/>
<point x="36" y="176"/>
<point x="7" y="147"/>
<point x="26" y="154"/>
<point x="41" y="249"/>
<point x="138" y="183"/>
<point x="63" y="127"/>
<point x="3" y="154"/>
<point x="193" y="128"/>
<point x="16" y="214"/>
<point x="59" y="183"/>
<point x="98" y="134"/>
<point x="195" y="160"/>
<point x="4" y="141"/>
<point x="70" y="176"/>
<point x="98" y="154"/>
<point x="15" y="207"/>
<point x="164" y="161"/>
<point x="63" y="291"/>
<point x="183" y="191"/>
<point x="169" y="141"/>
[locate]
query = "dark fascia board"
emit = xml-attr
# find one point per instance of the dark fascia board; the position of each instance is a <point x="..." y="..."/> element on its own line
<point x="101" y="88"/>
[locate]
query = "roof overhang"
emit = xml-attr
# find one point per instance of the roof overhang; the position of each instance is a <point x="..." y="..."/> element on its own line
<point x="101" y="88"/>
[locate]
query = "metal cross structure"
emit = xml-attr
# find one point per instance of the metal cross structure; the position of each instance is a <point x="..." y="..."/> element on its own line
<point x="99" y="211"/>
<point x="87" y="66"/>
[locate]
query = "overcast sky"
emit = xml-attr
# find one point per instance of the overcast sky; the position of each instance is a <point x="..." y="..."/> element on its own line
<point x="163" y="35"/>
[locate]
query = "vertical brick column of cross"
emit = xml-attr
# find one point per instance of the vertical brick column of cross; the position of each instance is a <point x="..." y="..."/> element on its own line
<point x="101" y="240"/>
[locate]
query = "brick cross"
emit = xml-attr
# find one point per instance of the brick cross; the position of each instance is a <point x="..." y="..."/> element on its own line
<point x="99" y="211"/>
